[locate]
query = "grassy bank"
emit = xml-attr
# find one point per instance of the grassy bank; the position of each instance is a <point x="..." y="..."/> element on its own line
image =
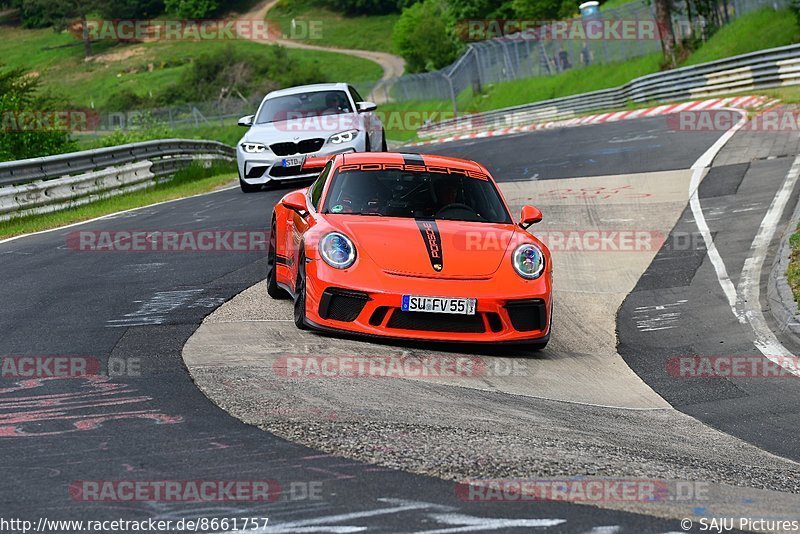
<point x="143" y="68"/>
<point x="793" y="272"/>
<point x="372" y="32"/>
<point x="190" y="181"/>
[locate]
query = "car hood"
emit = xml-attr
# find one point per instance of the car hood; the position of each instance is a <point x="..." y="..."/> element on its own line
<point x="300" y="129"/>
<point x="428" y="248"/>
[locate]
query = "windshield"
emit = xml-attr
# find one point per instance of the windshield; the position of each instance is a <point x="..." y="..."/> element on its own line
<point x="400" y="193"/>
<point x="312" y="104"/>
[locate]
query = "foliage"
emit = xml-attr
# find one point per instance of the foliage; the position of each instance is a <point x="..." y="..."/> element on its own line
<point x="191" y="9"/>
<point x="425" y="36"/>
<point x="21" y="138"/>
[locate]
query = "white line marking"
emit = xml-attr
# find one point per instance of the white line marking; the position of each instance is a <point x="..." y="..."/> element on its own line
<point x="698" y="169"/>
<point x="748" y="304"/>
<point x="745" y="304"/>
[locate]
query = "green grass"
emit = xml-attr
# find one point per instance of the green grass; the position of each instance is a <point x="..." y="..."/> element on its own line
<point x="142" y="68"/>
<point x="793" y="271"/>
<point x="571" y="82"/>
<point x="758" y="30"/>
<point x="360" y="32"/>
<point x="615" y="4"/>
<point x="193" y="180"/>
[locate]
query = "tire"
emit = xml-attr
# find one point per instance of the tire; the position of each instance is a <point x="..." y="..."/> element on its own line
<point x="300" y="294"/>
<point x="248" y="188"/>
<point x="367" y="146"/>
<point x="273" y="289"/>
<point x="384" y="148"/>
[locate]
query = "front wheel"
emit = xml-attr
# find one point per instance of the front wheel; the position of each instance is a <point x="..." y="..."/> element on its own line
<point x="384" y="148"/>
<point x="300" y="295"/>
<point x="248" y="188"/>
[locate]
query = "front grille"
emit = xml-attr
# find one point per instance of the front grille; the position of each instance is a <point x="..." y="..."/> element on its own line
<point x="341" y="304"/>
<point x="436" y="322"/>
<point x="495" y="324"/>
<point x="305" y="146"/>
<point x="378" y="315"/>
<point x="527" y="315"/>
<point x="256" y="172"/>
<point x="279" y="171"/>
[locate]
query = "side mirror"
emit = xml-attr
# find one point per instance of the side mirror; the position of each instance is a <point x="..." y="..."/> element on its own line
<point x="529" y="215"/>
<point x="246" y="121"/>
<point x="363" y="107"/>
<point x="295" y="201"/>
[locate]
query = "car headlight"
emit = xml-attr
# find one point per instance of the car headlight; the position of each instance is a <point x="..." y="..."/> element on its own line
<point x="343" y="137"/>
<point x="254" y="148"/>
<point x="528" y="261"/>
<point x="337" y="250"/>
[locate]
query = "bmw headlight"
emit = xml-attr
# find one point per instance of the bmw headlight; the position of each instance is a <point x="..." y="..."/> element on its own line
<point x="254" y="148"/>
<point x="337" y="250"/>
<point x="528" y="261"/>
<point x="343" y="137"/>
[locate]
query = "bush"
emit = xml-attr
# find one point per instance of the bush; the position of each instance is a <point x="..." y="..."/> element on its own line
<point x="228" y="72"/>
<point x="18" y="93"/>
<point x="425" y="36"/>
<point x="191" y="9"/>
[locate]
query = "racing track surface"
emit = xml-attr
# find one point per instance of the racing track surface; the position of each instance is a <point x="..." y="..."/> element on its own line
<point x="160" y="427"/>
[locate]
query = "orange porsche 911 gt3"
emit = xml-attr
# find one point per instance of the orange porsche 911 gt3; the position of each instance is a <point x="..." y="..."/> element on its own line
<point x="410" y="246"/>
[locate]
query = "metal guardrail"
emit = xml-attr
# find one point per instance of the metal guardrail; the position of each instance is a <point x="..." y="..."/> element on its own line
<point x="757" y="70"/>
<point x="40" y="185"/>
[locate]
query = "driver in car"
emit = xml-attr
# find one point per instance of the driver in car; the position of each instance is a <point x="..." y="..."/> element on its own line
<point x="333" y="103"/>
<point x="445" y="193"/>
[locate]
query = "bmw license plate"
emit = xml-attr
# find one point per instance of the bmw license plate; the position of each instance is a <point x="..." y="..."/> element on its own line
<point x="294" y="162"/>
<point x="438" y="305"/>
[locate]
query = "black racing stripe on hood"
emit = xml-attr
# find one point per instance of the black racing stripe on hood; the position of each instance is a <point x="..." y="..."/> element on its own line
<point x="433" y="242"/>
<point x="413" y="159"/>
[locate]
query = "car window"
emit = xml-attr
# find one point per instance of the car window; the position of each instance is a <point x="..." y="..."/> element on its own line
<point x="357" y="97"/>
<point x="430" y="195"/>
<point x="319" y="185"/>
<point x="311" y="104"/>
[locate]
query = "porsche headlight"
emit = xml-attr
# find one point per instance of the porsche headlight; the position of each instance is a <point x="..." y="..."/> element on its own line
<point x="337" y="250"/>
<point x="528" y="261"/>
<point x="343" y="137"/>
<point x="254" y="148"/>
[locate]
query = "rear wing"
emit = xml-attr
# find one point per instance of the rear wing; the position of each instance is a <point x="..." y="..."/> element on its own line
<point x="316" y="163"/>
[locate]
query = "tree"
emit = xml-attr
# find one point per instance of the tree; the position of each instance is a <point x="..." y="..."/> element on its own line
<point x="664" y="22"/>
<point x="425" y="36"/>
<point x="60" y="13"/>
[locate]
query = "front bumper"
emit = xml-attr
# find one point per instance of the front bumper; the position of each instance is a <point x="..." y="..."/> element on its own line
<point x="508" y="310"/>
<point x="259" y="169"/>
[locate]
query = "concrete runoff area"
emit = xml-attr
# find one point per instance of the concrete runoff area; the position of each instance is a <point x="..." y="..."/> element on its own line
<point x="576" y="410"/>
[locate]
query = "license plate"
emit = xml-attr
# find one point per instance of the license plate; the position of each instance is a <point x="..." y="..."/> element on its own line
<point x="438" y="305"/>
<point x="294" y="162"/>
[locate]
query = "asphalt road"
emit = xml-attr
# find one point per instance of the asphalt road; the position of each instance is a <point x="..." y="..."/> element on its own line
<point x="141" y="307"/>
<point x="678" y="309"/>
